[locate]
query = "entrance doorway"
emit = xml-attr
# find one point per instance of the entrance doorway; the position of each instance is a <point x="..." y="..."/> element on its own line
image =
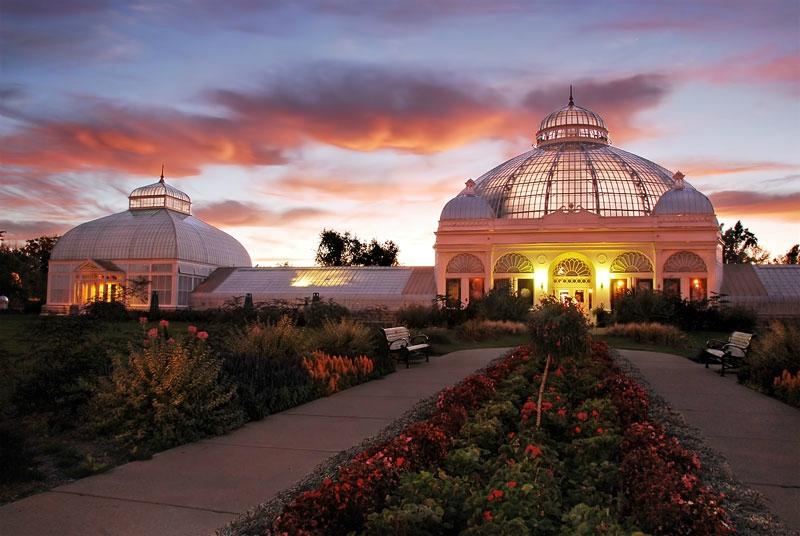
<point x="525" y="289"/>
<point x="618" y="289"/>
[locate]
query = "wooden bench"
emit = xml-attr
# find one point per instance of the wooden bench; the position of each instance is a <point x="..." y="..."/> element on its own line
<point x="406" y="347"/>
<point x="728" y="354"/>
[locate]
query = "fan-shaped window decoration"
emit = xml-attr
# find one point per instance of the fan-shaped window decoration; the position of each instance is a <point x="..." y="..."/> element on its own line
<point x="465" y="263"/>
<point x="685" y="261"/>
<point x="631" y="262"/>
<point x="572" y="271"/>
<point x="513" y="263"/>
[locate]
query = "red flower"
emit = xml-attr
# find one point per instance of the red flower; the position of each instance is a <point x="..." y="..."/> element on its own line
<point x="533" y="450"/>
<point x="595" y="413"/>
<point x="577" y="429"/>
<point x="152" y="333"/>
<point x="487" y="516"/>
<point x="164" y="323"/>
<point x="192" y="330"/>
<point x="400" y="461"/>
<point x="511" y="484"/>
<point x="600" y="430"/>
<point x="495" y="495"/>
<point x="582" y="416"/>
<point x="202" y="335"/>
<point x="562" y="412"/>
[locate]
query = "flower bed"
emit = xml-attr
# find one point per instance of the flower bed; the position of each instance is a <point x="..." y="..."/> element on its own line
<point x="480" y="465"/>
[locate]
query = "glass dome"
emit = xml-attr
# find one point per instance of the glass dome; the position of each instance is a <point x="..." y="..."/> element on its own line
<point x="160" y="195"/>
<point x="574" y="168"/>
<point x="467" y="206"/>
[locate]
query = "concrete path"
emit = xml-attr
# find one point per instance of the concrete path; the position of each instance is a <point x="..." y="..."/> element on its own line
<point x="759" y="436"/>
<point x="199" y="487"/>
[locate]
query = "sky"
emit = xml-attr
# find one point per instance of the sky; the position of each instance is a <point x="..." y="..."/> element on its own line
<point x="280" y="119"/>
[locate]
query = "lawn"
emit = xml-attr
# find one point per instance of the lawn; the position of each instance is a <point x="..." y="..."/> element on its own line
<point x="695" y="346"/>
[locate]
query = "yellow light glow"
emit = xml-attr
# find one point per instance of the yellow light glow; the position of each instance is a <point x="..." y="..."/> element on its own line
<point x="620" y="283"/>
<point x="540" y="279"/>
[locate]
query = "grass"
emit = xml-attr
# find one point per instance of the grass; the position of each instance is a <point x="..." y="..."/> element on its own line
<point x="693" y="348"/>
<point x="454" y="344"/>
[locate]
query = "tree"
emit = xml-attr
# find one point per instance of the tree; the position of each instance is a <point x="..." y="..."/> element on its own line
<point x="344" y="249"/>
<point x="23" y="270"/>
<point x="740" y="246"/>
<point x="792" y="256"/>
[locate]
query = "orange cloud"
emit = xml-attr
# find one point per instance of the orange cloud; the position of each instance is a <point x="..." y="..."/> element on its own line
<point x="736" y="203"/>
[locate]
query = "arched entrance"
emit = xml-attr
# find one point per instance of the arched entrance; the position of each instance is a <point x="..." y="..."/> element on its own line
<point x="571" y="278"/>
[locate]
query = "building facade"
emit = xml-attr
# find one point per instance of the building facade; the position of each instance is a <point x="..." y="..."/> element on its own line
<point x="578" y="218"/>
<point x="156" y="247"/>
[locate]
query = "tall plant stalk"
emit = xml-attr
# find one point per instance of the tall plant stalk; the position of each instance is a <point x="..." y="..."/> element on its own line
<point x="541" y="391"/>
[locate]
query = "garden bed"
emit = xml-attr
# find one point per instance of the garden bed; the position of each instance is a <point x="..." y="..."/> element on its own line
<point x="478" y="465"/>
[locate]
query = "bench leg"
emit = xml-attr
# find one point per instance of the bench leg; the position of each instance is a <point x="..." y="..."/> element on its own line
<point x="705" y="355"/>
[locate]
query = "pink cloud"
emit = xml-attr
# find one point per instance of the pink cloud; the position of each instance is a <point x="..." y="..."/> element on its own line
<point x="233" y="213"/>
<point x="736" y="203"/>
<point x="703" y="167"/>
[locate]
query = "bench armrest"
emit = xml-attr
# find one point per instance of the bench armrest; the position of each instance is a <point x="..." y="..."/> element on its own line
<point x="715" y="343"/>
<point x="422" y="338"/>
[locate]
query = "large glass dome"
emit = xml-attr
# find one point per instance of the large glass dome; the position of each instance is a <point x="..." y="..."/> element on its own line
<point x="574" y="168"/>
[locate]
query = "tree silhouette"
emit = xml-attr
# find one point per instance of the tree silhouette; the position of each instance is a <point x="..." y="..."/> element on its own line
<point x="344" y="249"/>
<point x="740" y="246"/>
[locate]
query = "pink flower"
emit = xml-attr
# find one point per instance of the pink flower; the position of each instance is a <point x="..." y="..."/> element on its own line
<point x="202" y="335"/>
<point x="142" y="320"/>
<point x="582" y="416"/>
<point x="152" y="333"/>
<point x="192" y="330"/>
<point x="170" y="341"/>
<point x="164" y="323"/>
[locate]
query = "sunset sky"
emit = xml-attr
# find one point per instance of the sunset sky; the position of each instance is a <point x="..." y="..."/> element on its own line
<point x="280" y="119"/>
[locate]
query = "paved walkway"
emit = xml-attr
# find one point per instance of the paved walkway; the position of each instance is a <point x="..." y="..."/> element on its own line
<point x="199" y="487"/>
<point x="759" y="436"/>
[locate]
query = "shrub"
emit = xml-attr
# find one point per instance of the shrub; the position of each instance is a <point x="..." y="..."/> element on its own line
<point x="644" y="306"/>
<point x="479" y="330"/>
<point x="416" y="316"/>
<point x="316" y="312"/>
<point x="330" y="374"/>
<point x="166" y="394"/>
<point x="108" y="311"/>
<point x="787" y="388"/>
<point x="264" y="361"/>
<point x="649" y="333"/>
<point x="773" y="351"/>
<point x="16" y="456"/>
<point x="345" y="337"/>
<point x="559" y="329"/>
<point x="498" y="304"/>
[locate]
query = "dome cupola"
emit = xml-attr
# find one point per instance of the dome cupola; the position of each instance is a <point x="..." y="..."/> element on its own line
<point x="682" y="199"/>
<point x="160" y="195"/>
<point x="467" y="205"/>
<point x="572" y="124"/>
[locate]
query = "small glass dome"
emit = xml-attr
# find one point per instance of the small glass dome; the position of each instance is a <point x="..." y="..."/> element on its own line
<point x="572" y="123"/>
<point x="682" y="200"/>
<point x="160" y="195"/>
<point x="467" y="206"/>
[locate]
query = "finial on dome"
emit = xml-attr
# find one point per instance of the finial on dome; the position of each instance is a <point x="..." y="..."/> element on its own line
<point x="678" y="178"/>
<point x="571" y="102"/>
<point x="162" y="173"/>
<point x="470" y="189"/>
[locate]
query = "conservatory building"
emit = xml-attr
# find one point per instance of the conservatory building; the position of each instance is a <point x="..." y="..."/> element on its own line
<point x="156" y="248"/>
<point x="578" y="218"/>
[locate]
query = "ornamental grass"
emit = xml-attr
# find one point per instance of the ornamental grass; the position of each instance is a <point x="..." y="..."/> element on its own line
<point x="649" y="333"/>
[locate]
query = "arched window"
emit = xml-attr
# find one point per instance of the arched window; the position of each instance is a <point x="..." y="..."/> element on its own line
<point x="571" y="271"/>
<point x="513" y="263"/>
<point x="464" y="263"/>
<point x="685" y="261"/>
<point x="631" y="262"/>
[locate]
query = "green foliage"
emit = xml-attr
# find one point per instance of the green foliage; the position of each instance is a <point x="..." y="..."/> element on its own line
<point x="345" y="337"/>
<point x="498" y="304"/>
<point x="585" y="520"/>
<point x="407" y="520"/>
<point x="559" y="329"/>
<point x="165" y="394"/>
<point x="344" y="249"/>
<point x="67" y="356"/>
<point x="480" y="330"/>
<point x="773" y="351"/>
